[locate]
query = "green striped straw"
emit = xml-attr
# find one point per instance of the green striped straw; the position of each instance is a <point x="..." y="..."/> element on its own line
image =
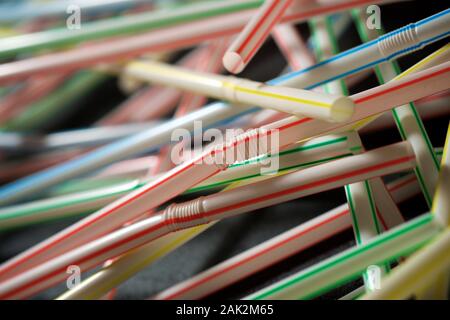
<point x="91" y="200"/>
<point x="350" y="264"/>
<point x="359" y="195"/>
<point x="114" y="27"/>
<point x="407" y="119"/>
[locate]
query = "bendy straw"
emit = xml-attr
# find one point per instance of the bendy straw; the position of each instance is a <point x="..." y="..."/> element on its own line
<point x="252" y="37"/>
<point x="298" y="102"/>
<point x="409" y="123"/>
<point x="378" y="162"/>
<point x="267" y="253"/>
<point x="228" y="271"/>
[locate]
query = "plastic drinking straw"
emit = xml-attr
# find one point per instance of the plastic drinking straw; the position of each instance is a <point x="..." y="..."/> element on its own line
<point x="12" y="12"/>
<point x="35" y="89"/>
<point x="298" y="102"/>
<point x="166" y="39"/>
<point x="17" y="142"/>
<point x="275" y="249"/>
<point x="211" y="62"/>
<point x="212" y="114"/>
<point x="428" y="108"/>
<point x="232" y="270"/>
<point x="252" y="37"/>
<point x="10" y="170"/>
<point x="203" y="210"/>
<point x="184" y="176"/>
<point x="301" y="155"/>
<point x="441" y="205"/>
<point x="47" y="109"/>
<point x="153" y="21"/>
<point x="292" y="46"/>
<point x="150" y="103"/>
<point x="349" y="264"/>
<point x="263" y="255"/>
<point x="432" y="262"/>
<point x="421" y="269"/>
<point x="124" y="25"/>
<point x="360" y="197"/>
<point x="326" y="45"/>
<point x="408" y="121"/>
<point x="131" y="168"/>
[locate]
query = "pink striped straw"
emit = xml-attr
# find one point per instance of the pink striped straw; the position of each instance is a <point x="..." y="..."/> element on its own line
<point x="244" y="48"/>
<point x="292" y="46"/>
<point x="209" y="62"/>
<point x="151" y="102"/>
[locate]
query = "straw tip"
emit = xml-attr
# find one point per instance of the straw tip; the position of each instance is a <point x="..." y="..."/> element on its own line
<point x="233" y="62"/>
<point x="342" y="109"/>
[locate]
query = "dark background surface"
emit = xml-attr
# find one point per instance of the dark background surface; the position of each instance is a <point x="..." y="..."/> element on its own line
<point x="235" y="235"/>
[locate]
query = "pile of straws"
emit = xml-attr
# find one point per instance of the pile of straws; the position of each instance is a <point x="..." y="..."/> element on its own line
<point x="294" y="136"/>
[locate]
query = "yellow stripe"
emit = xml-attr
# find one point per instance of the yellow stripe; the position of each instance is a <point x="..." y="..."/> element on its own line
<point x="275" y="95"/>
<point x="176" y="242"/>
<point x="444" y="160"/>
<point x="168" y="71"/>
<point x="429" y="58"/>
<point x="398" y="292"/>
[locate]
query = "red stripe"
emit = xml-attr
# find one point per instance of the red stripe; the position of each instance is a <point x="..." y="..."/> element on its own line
<point x="327" y="9"/>
<point x="258" y="25"/>
<point x="247" y="57"/>
<point x="81" y="261"/>
<point x="303" y="187"/>
<point x="398" y="186"/>
<point x="213" y="212"/>
<point x="262" y="252"/>
<point x="402" y="85"/>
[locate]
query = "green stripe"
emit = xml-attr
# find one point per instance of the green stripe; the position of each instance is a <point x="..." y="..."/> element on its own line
<point x="213" y="185"/>
<point x="351" y="205"/>
<point x="363" y="33"/>
<point x="372" y="207"/>
<point x="354" y="276"/>
<point x="423" y="186"/>
<point x="383" y="238"/>
<point x="293" y="150"/>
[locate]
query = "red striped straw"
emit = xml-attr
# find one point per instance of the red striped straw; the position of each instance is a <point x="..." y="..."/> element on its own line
<point x="151" y="102"/>
<point x="292" y="46"/>
<point x="243" y="49"/>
